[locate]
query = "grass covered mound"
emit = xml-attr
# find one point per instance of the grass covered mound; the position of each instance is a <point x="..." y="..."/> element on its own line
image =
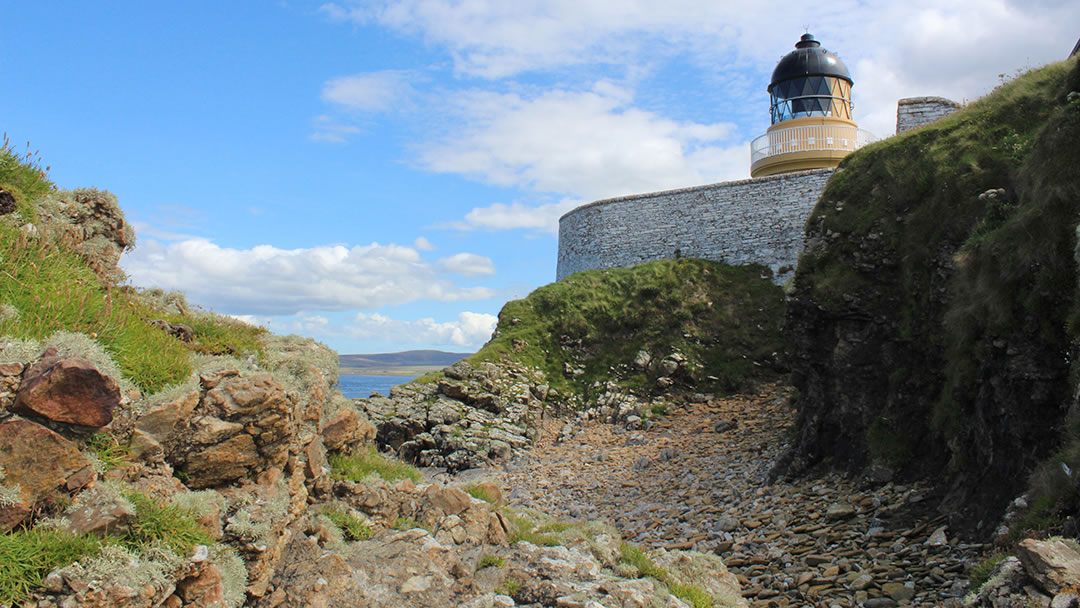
<point x="721" y="322"/>
<point x="934" y="318"/>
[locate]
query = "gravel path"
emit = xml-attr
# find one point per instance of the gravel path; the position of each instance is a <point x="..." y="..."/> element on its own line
<point x="696" y="479"/>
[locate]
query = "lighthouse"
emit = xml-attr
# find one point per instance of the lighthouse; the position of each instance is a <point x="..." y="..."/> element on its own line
<point x="811" y="114"/>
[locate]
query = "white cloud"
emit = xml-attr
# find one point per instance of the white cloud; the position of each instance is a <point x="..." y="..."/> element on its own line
<point x="586" y="144"/>
<point x="496" y="39"/>
<point x="423" y="244"/>
<point x="469" y="330"/>
<point x="333" y="130"/>
<point x="468" y="264"/>
<point x="500" y="216"/>
<point x="369" y="92"/>
<point x="269" y="281"/>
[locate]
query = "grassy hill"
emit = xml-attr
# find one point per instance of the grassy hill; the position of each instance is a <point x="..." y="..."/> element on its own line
<point x="717" y="325"/>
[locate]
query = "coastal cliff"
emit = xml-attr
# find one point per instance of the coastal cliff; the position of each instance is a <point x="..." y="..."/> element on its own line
<point x="933" y="323"/>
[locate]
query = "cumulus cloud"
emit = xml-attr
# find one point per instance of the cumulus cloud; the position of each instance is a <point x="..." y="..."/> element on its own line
<point x="265" y="280"/>
<point x="368" y="92"/>
<point x="590" y="143"/>
<point x="471" y="329"/>
<point x="496" y="39"/>
<point x="468" y="264"/>
<point x="587" y="144"/>
<point x="423" y="244"/>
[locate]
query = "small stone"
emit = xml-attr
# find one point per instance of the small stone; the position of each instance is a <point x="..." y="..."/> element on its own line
<point x="53" y="582"/>
<point x="1068" y="599"/>
<point x="938" y="537"/>
<point x="839" y="510"/>
<point x="862" y="582"/>
<point x="898" y="591"/>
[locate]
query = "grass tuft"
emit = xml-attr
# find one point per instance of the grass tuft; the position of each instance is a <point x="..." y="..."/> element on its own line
<point x="490" y="561"/>
<point x="351" y="526"/>
<point x="362" y="463"/>
<point x="108" y="450"/>
<point x="634" y="556"/>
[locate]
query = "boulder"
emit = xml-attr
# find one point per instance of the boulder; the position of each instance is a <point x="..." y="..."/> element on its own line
<point x="1054" y="564"/>
<point x="67" y="389"/>
<point x="37" y="461"/>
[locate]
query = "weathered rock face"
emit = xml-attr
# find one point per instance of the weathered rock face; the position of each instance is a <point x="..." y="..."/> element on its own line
<point x="67" y="389"/>
<point x="92" y="220"/>
<point x="38" y="462"/>
<point x="929" y="318"/>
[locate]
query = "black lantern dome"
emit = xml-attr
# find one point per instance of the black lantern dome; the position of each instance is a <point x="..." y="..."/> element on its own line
<point x="810" y="81"/>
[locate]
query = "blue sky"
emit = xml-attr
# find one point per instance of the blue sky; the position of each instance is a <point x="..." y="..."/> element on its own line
<point x="385" y="175"/>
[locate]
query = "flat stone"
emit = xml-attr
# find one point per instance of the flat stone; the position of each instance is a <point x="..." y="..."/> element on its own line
<point x="898" y="591"/>
<point x="840" y="510"/>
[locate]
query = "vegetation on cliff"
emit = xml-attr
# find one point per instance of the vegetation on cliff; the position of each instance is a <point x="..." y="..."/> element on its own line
<point x="934" y="319"/>
<point x="705" y="325"/>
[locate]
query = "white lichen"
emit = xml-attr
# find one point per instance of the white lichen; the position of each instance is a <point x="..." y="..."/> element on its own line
<point x="233" y="574"/>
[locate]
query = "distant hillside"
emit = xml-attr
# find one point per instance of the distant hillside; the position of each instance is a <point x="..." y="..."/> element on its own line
<point x="404" y="363"/>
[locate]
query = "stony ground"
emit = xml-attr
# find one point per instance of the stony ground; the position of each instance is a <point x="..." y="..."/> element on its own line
<point x="696" y="479"/>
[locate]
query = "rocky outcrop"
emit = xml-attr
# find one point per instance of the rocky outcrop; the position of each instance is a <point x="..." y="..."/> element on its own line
<point x="91" y="221"/>
<point x="470" y="418"/>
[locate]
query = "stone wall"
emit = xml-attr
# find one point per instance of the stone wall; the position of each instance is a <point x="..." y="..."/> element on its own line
<point x="742" y="222"/>
<point x="914" y="112"/>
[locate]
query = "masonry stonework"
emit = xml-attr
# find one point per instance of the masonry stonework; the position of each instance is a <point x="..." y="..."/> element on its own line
<point x="914" y="112"/>
<point x="742" y="222"/>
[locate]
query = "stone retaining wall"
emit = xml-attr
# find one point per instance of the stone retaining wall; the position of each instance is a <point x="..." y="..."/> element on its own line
<point x="914" y="112"/>
<point x="742" y="222"/>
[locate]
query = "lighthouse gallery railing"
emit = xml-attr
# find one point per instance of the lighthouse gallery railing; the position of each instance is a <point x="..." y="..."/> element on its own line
<point x="808" y="138"/>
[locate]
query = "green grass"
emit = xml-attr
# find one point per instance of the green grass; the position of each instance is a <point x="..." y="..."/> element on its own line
<point x="725" y="319"/>
<point x="634" y="556"/>
<point x="479" y="493"/>
<point x="23" y="176"/>
<point x="528" y="531"/>
<point x="28" y="555"/>
<point x="108" y="450"/>
<point x="491" y="561"/>
<point x="352" y="527"/>
<point x="980" y="572"/>
<point x="53" y="289"/>
<point x="365" y="462"/>
<point x="220" y="335"/>
<point x="511" y="588"/>
<point x="173" y="526"/>
<point x="404" y="523"/>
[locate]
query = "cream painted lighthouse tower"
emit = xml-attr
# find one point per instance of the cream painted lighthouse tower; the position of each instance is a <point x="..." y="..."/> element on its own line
<point x="812" y="126"/>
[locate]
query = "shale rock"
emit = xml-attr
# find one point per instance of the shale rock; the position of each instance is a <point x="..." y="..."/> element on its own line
<point x="37" y="462"/>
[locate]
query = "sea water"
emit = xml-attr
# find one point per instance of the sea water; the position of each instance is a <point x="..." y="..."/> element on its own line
<point x="361" y="387"/>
